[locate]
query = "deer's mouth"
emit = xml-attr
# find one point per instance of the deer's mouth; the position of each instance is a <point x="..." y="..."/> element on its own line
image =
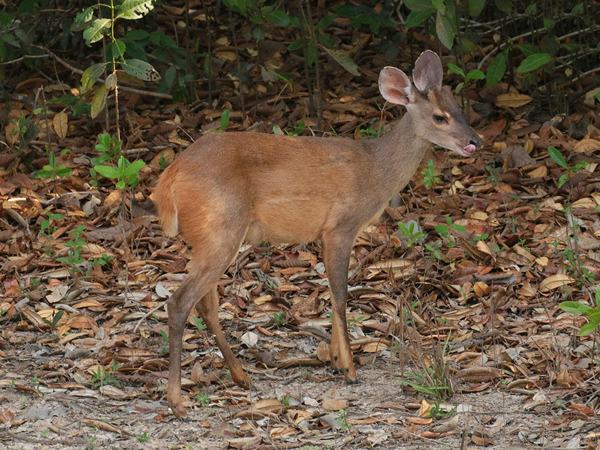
<point x="468" y="150"/>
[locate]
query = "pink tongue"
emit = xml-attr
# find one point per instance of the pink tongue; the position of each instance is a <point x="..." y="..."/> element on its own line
<point x="469" y="149"/>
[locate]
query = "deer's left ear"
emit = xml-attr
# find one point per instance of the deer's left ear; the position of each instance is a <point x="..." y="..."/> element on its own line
<point x="428" y="72"/>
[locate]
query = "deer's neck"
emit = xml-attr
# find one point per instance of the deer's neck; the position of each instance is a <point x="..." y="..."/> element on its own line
<point x="398" y="154"/>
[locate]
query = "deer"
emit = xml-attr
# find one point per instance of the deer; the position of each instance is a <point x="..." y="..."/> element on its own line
<point x="229" y="188"/>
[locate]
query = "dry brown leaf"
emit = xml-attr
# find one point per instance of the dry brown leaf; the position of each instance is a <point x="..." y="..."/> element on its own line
<point x="540" y="172"/>
<point x="11" y="131"/>
<point x="587" y="146"/>
<point x="513" y="100"/>
<point x="334" y="404"/>
<point x="555" y="281"/>
<point x="61" y="124"/>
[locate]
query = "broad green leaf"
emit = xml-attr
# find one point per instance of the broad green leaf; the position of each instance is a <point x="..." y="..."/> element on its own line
<point x="455" y="69"/>
<point x="496" y="69"/>
<point x="137" y="35"/>
<point x="99" y="101"/>
<point x="528" y="49"/>
<point x="94" y="32"/>
<point x="418" y="17"/>
<point x="504" y="5"/>
<point x="444" y="30"/>
<point x="343" y="59"/>
<point x="475" y="7"/>
<point x="82" y="19"/>
<point x="418" y="5"/>
<point x="325" y="22"/>
<point x="258" y="33"/>
<point x="135" y="9"/>
<point x="574" y="307"/>
<point x="43" y="174"/>
<point x="133" y="168"/>
<point x="557" y="157"/>
<point x="534" y="61"/>
<point x="224" y="120"/>
<point x="91" y="75"/>
<point x="140" y="69"/>
<point x="311" y="52"/>
<point x="588" y="328"/>
<point x="439" y="6"/>
<point x="107" y="171"/>
<point x="278" y="18"/>
<point x="118" y="49"/>
<point x="10" y="39"/>
<point x="475" y="75"/>
<point x="111" y="81"/>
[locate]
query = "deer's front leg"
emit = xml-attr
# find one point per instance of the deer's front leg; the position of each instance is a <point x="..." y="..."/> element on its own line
<point x="337" y="250"/>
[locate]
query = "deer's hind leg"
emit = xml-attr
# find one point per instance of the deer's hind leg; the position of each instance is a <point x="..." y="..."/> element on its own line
<point x="215" y="242"/>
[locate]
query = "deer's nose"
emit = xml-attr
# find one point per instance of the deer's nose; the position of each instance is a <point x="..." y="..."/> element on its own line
<point x="476" y="141"/>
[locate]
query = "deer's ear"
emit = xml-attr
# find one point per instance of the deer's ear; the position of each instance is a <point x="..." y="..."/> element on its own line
<point x="395" y="86"/>
<point x="428" y="72"/>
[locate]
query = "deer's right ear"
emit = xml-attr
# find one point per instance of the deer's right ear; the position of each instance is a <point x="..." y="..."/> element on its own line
<point x="395" y="86"/>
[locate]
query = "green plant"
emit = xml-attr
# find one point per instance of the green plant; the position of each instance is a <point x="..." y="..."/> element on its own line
<point x="593" y="314"/>
<point x="342" y="420"/>
<point x="126" y="173"/>
<point x="76" y="103"/>
<point x="25" y="128"/>
<point x="434" y="249"/>
<point x="370" y="133"/>
<point x="409" y="233"/>
<point x="143" y="437"/>
<point x="203" y="399"/>
<point x="286" y="400"/>
<point x="47" y="228"/>
<point x="279" y="319"/>
<point x="439" y="412"/>
<point x="493" y="176"/>
<point x="432" y="377"/>
<point x="429" y="178"/>
<point x="258" y="12"/>
<point x="53" y="322"/>
<point x="95" y="28"/>
<point x="109" y="148"/>
<point x="102" y="377"/>
<point x="75" y="246"/>
<point x="52" y="170"/>
<point x="469" y="76"/>
<point x="445" y="230"/>
<point x="91" y="443"/>
<point x="295" y="132"/>
<point x="559" y="159"/>
<point x="199" y="323"/>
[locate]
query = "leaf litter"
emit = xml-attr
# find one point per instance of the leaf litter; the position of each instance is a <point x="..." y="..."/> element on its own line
<point x="470" y="305"/>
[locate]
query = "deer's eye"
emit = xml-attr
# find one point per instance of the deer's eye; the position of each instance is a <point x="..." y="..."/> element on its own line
<point x="439" y="119"/>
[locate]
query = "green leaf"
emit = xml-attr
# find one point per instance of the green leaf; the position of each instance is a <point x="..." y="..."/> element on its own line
<point x="94" y="32"/>
<point x="418" y="17"/>
<point x="298" y="44"/>
<point x="496" y="69"/>
<point x="325" y="22"/>
<point x="475" y="75"/>
<point x="557" y="157"/>
<point x="475" y="7"/>
<point x="133" y="168"/>
<point x="439" y="6"/>
<point x="444" y="30"/>
<point x="258" y="33"/>
<point x="534" y="61"/>
<point x="343" y="59"/>
<point x="107" y="171"/>
<point x="588" y="328"/>
<point x="98" y="101"/>
<point x="455" y="69"/>
<point x="311" y="52"/>
<point x="91" y="75"/>
<point x="278" y="18"/>
<point x="419" y="5"/>
<point x="140" y="69"/>
<point x="224" y="120"/>
<point x="137" y="35"/>
<point x="504" y="5"/>
<point x="43" y="174"/>
<point x="82" y="19"/>
<point x="135" y="9"/>
<point x="118" y="48"/>
<point x="458" y="227"/>
<point x="574" y="307"/>
<point x="459" y="87"/>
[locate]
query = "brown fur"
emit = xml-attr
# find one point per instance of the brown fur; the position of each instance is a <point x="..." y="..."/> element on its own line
<point x="230" y="187"/>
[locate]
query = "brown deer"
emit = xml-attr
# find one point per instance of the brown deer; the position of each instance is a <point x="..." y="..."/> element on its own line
<point x="233" y="187"/>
